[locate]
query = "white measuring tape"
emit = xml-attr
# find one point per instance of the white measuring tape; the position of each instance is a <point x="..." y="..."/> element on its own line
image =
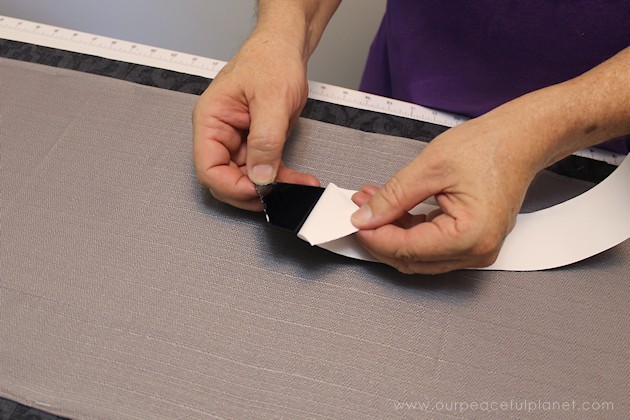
<point x="116" y="49"/>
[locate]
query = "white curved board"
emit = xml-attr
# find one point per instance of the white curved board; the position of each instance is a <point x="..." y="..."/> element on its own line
<point x="563" y="234"/>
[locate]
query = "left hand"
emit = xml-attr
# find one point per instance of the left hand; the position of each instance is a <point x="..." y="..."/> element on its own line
<point x="478" y="173"/>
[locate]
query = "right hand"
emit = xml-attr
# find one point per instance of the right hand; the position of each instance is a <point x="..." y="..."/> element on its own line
<point x="241" y="122"/>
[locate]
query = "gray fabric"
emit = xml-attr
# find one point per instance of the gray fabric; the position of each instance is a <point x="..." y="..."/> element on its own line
<point x="126" y="291"/>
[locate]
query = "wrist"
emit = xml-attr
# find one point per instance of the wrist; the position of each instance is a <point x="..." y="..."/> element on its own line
<point x="296" y="24"/>
<point x="575" y="114"/>
<point x="543" y="126"/>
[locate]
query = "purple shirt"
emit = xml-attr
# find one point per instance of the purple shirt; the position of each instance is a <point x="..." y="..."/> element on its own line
<point x="469" y="57"/>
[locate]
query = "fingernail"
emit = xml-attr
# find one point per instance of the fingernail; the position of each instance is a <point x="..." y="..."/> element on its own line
<point x="363" y="215"/>
<point x="261" y="174"/>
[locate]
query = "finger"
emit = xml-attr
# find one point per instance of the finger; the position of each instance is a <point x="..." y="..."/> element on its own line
<point x="435" y="213"/>
<point x="422" y="242"/>
<point x="220" y="120"/>
<point x="216" y="171"/>
<point x="213" y="147"/>
<point x="268" y="131"/>
<point x="406" y="221"/>
<point x="428" y="242"/>
<point x="422" y="267"/>
<point x="417" y="267"/>
<point x="432" y="267"/>
<point x="215" y="142"/>
<point x="253" y="204"/>
<point x="401" y="193"/>
<point x="230" y="185"/>
<point x="369" y="189"/>
<point x="362" y="196"/>
<point x="291" y="176"/>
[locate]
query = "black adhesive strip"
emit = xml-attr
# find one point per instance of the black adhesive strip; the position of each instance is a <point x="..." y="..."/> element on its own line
<point x="288" y="205"/>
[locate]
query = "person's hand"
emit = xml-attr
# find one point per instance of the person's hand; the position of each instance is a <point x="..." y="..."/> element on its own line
<point x="242" y="120"/>
<point x="479" y="172"/>
<point x="479" y="181"/>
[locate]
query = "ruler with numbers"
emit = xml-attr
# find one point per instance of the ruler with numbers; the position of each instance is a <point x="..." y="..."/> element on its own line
<point x="116" y="49"/>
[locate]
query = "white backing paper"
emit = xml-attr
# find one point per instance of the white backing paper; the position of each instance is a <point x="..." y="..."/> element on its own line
<point x="553" y="237"/>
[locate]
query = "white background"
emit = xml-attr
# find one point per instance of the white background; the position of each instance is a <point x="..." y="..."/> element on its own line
<point x="210" y="28"/>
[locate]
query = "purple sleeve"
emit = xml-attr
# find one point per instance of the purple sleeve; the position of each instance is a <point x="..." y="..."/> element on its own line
<point x="470" y="57"/>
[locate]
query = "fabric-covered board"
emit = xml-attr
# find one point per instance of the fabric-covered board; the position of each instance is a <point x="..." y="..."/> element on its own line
<point x="127" y="291"/>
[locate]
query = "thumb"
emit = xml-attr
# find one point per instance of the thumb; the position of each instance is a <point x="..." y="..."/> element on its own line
<point x="399" y="195"/>
<point x="267" y="134"/>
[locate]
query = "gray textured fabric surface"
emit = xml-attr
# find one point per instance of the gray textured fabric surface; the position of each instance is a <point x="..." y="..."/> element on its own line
<point x="126" y="291"/>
